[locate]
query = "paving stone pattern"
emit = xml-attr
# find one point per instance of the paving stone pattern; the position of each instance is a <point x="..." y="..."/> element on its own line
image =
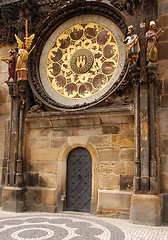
<point x="41" y="226"/>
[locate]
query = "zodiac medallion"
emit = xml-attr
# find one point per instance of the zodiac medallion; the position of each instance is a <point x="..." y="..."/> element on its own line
<point x="82" y="60"/>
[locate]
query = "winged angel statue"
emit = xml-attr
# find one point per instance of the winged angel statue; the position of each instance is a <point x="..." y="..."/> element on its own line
<point x="24" y="49"/>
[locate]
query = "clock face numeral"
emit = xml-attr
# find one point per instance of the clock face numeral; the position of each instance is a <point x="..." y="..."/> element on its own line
<point x="82" y="60"/>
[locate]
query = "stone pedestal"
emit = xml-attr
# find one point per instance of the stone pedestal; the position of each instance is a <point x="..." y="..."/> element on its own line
<point x="146" y="209"/>
<point x="13" y="199"/>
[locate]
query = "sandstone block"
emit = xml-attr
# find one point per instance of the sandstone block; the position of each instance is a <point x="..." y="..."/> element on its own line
<point x="117" y="119"/>
<point x="164" y="164"/>
<point x="165" y="208"/>
<point x="33" y="179"/>
<point x="5" y="109"/>
<point x="34" y="195"/>
<point x="39" y="123"/>
<point x="48" y="180"/>
<point x="89" y="131"/>
<point x="49" y="196"/>
<point x="127" y="129"/>
<point x="123" y="141"/>
<point x="100" y="141"/>
<point x="44" y="154"/>
<point x="127" y="154"/>
<point x="40" y="143"/>
<point x="112" y="167"/>
<point x="110" y="129"/>
<point x="164" y="100"/>
<point x="164" y="183"/>
<point x="162" y="21"/>
<point x="129" y="168"/>
<point x="162" y="48"/>
<point x="58" y="142"/>
<point x="118" y="200"/>
<point x="126" y="182"/>
<point x="41" y="166"/>
<point x="108" y="154"/>
<point x="108" y="181"/>
<point x="163" y="145"/>
<point x="65" y="132"/>
<point x="146" y="209"/>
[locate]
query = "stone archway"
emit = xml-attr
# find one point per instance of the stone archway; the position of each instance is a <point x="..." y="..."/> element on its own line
<point x="62" y="171"/>
<point x="79" y="180"/>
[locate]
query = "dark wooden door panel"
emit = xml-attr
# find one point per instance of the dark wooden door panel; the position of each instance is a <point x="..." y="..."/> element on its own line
<point x="79" y="178"/>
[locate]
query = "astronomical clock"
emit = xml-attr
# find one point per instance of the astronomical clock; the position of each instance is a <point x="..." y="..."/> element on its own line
<point x="81" y="62"/>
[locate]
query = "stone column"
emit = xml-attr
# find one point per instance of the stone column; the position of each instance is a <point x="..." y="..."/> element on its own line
<point x="146" y="205"/>
<point x="152" y="78"/>
<point x="13" y="195"/>
<point x="135" y="75"/>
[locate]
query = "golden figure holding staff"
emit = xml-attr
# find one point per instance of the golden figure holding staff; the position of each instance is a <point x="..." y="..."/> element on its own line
<point x="132" y="46"/>
<point x="23" y="53"/>
<point x="151" y="44"/>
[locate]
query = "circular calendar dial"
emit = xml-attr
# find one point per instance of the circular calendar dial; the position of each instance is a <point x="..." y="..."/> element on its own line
<point x="82" y="60"/>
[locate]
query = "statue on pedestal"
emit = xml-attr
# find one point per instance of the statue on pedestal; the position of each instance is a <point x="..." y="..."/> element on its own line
<point x="24" y="49"/>
<point x="151" y="43"/>
<point x="11" y="65"/>
<point x="132" y="46"/>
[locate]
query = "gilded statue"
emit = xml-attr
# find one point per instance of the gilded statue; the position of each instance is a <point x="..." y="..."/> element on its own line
<point x="11" y="65"/>
<point x="24" y="49"/>
<point x="151" y="43"/>
<point x="132" y="46"/>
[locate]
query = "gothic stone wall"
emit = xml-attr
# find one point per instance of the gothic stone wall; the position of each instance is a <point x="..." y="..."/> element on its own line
<point x="108" y="136"/>
<point x="163" y="110"/>
<point x="4" y="112"/>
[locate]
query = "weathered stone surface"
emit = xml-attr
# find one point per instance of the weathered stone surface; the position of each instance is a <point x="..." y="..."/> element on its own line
<point x="109" y="154"/>
<point x="40" y="142"/>
<point x="129" y="168"/>
<point x="126" y="182"/>
<point x="33" y="179"/>
<point x="164" y="183"/>
<point x="75" y="121"/>
<point x="146" y="209"/>
<point x="108" y="181"/>
<point x="5" y="109"/>
<point x="101" y="141"/>
<point x="34" y="196"/>
<point x="117" y="119"/>
<point x="163" y="145"/>
<point x="49" y="197"/>
<point x="40" y="123"/>
<point x="89" y="131"/>
<point x="122" y="140"/>
<point x="41" y="166"/>
<point x="164" y="100"/>
<point x="165" y="208"/>
<point x="127" y="129"/>
<point x="58" y="142"/>
<point x="164" y="164"/>
<point x="162" y="47"/>
<point x="14" y="199"/>
<point x="127" y="154"/>
<point x="65" y="132"/>
<point x="112" y="167"/>
<point x="162" y="21"/>
<point x="48" y="180"/>
<point x="111" y="129"/>
<point x="118" y="200"/>
<point x="44" y="154"/>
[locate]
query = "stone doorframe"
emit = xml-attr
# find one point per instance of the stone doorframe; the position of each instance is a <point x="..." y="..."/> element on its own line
<point x="62" y="171"/>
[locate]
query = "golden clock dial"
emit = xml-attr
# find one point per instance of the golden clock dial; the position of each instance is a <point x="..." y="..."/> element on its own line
<point x="82" y="60"/>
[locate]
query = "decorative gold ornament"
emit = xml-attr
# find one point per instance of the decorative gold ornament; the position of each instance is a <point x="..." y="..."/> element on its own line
<point x="82" y="60"/>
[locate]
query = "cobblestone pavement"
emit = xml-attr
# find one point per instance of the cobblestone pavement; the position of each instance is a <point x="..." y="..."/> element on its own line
<point x="57" y="226"/>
